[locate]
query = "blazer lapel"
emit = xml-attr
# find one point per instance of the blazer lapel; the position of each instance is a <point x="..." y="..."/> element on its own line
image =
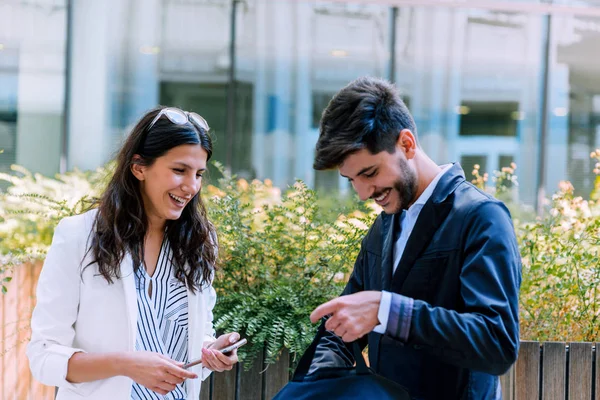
<point x="430" y="218"/>
<point x="433" y="214"/>
<point x="128" y="280"/>
<point x="388" y="224"/>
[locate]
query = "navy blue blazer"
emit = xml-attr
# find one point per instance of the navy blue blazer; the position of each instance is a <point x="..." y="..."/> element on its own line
<point x="462" y="267"/>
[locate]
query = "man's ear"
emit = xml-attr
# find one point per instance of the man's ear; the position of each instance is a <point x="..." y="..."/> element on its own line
<point x="137" y="168"/>
<point x="407" y="143"/>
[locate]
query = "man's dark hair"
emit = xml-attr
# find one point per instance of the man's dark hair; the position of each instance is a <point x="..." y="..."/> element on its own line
<point x="368" y="113"/>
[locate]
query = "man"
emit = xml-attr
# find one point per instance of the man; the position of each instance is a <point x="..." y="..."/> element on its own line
<point x="434" y="290"/>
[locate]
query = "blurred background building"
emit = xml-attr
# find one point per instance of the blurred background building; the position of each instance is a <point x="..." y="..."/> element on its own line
<point x="489" y="82"/>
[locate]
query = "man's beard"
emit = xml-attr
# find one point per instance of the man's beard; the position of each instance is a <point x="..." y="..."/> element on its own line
<point x="406" y="188"/>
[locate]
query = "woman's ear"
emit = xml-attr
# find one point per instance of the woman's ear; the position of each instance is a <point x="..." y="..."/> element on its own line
<point x="137" y="168"/>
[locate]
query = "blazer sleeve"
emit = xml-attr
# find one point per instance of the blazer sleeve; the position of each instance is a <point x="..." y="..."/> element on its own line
<point x="55" y="313"/>
<point x="484" y="336"/>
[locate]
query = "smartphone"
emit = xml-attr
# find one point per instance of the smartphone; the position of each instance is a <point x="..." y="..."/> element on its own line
<point x="234" y="346"/>
<point x="224" y="350"/>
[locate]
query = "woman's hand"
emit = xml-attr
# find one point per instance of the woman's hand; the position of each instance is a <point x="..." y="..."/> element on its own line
<point x="216" y="361"/>
<point x="155" y="371"/>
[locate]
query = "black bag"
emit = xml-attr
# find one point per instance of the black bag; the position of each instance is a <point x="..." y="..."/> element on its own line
<point x="358" y="383"/>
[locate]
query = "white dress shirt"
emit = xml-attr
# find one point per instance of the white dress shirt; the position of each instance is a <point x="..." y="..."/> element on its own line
<point x="408" y="218"/>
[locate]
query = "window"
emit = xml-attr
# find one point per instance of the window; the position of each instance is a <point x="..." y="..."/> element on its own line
<point x="489" y="118"/>
<point x="8" y="139"/>
<point x="468" y="163"/>
<point x="320" y="101"/>
<point x="210" y="101"/>
<point x="504" y="160"/>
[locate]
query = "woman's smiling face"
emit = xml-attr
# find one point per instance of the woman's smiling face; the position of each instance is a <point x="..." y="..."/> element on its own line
<point x="169" y="184"/>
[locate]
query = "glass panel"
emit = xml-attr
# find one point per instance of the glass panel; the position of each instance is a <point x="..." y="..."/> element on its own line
<point x="488" y="118"/>
<point x="32" y="82"/>
<point x="473" y="78"/>
<point x="133" y="55"/>
<point x="320" y="100"/>
<point x="574" y="102"/>
<point x="296" y="55"/>
<point x="291" y="57"/>
<point x="468" y="162"/>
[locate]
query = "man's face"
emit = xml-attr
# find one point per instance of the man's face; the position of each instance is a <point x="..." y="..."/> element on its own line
<point x="389" y="179"/>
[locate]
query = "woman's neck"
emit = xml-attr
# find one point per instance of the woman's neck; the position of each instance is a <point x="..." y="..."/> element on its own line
<point x="156" y="227"/>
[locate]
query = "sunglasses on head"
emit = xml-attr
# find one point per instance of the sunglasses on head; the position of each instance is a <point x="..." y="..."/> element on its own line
<point x="180" y="117"/>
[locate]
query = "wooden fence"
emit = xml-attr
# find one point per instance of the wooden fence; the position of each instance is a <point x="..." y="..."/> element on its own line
<point x="547" y="371"/>
<point x="554" y="371"/>
<point x="16" y="382"/>
<point x="544" y="371"/>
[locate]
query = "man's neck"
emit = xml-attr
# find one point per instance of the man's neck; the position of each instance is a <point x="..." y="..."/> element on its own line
<point x="427" y="171"/>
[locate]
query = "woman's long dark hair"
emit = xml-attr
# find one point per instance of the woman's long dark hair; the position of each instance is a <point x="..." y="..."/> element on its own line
<point x="121" y="222"/>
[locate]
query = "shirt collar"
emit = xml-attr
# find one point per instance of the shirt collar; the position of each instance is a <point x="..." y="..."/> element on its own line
<point x="424" y="197"/>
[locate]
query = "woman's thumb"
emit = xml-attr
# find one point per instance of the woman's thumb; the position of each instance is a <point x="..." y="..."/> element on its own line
<point x="234" y="337"/>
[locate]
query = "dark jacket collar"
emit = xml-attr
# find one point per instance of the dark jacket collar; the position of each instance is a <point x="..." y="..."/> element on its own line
<point x="430" y="218"/>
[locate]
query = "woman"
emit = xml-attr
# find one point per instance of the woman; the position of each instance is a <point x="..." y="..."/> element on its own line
<point x="125" y="298"/>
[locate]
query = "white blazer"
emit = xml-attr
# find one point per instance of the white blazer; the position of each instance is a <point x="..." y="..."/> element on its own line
<point x="84" y="313"/>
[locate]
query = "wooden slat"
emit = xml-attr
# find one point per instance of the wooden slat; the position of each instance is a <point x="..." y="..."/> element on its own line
<point x="277" y="375"/>
<point x="250" y="381"/>
<point x="9" y="351"/>
<point x="2" y="334"/>
<point x="224" y="385"/>
<point x="507" y="381"/>
<point x="205" y="389"/>
<point x="580" y="371"/>
<point x="527" y="372"/>
<point x="597" y="394"/>
<point x="38" y="391"/>
<point x="554" y="371"/>
<point x="24" y="307"/>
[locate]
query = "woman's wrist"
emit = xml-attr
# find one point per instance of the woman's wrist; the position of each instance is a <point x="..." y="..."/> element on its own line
<point x="122" y="363"/>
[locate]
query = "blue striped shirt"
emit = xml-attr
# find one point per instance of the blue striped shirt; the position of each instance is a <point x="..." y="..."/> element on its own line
<point x="162" y="325"/>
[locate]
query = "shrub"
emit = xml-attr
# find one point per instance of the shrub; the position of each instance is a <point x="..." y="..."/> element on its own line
<point x="281" y="259"/>
<point x="282" y="254"/>
<point x="32" y="206"/>
<point x="560" y="296"/>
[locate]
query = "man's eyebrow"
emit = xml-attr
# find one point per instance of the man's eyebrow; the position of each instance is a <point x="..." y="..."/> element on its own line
<point x="362" y="171"/>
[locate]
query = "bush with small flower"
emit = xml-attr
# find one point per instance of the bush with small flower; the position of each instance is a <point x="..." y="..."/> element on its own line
<point x="281" y="258"/>
<point x="283" y="253"/>
<point x="560" y="252"/>
<point x="560" y="293"/>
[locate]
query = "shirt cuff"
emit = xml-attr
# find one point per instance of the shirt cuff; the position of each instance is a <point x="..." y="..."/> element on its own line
<point x="400" y="316"/>
<point x="56" y="368"/>
<point x="383" y="313"/>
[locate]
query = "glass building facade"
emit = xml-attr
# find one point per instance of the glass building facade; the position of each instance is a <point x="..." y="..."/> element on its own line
<point x="488" y="82"/>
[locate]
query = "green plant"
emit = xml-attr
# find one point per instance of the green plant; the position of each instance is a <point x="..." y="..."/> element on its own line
<point x="32" y="206"/>
<point x="282" y="254"/>
<point x="280" y="260"/>
<point x="560" y="296"/>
